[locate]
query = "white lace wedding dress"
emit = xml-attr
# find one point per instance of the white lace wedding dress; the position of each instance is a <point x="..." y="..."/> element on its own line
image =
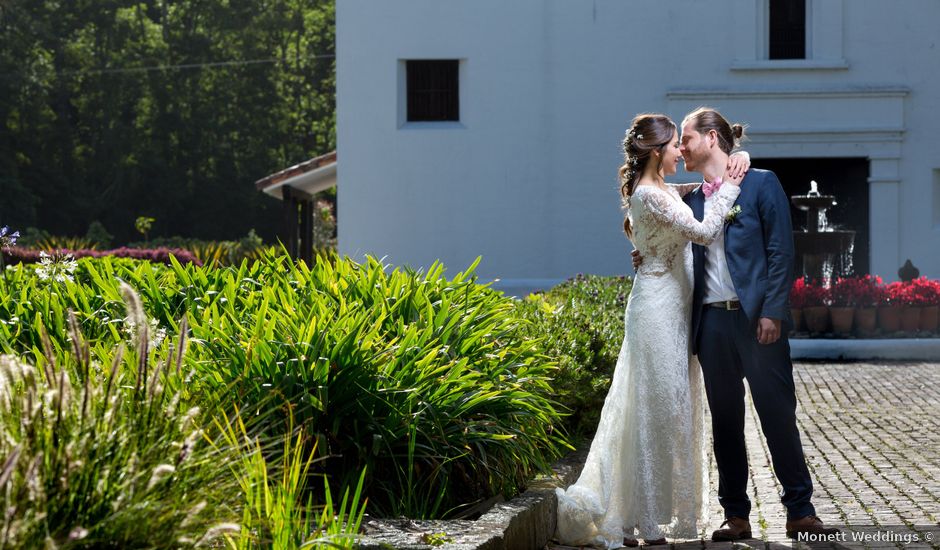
<point x="647" y="468"/>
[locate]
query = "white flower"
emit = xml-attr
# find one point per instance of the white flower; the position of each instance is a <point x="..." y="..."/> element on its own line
<point x="58" y="268"/>
<point x="733" y="213"/>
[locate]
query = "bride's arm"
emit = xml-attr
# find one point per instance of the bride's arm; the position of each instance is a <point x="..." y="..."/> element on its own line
<point x="669" y="213"/>
<point x="684" y="188"/>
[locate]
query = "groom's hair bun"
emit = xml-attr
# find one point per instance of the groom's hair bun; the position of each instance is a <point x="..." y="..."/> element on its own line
<point x="705" y="119"/>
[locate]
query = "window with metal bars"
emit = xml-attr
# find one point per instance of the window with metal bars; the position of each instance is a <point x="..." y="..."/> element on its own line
<point x="787" y="29"/>
<point x="432" y="90"/>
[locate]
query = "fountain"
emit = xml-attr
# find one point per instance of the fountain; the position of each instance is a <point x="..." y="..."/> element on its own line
<point x="822" y="252"/>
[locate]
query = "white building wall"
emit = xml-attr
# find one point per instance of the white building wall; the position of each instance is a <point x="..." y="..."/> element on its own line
<point x="527" y="178"/>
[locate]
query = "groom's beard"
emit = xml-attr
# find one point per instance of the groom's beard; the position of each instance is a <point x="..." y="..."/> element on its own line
<point x="694" y="162"/>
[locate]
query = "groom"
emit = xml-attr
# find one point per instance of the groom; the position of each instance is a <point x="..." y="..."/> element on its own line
<point x="740" y="315"/>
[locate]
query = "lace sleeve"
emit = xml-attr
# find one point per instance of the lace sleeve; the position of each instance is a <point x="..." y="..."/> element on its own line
<point x="684" y="188"/>
<point x="668" y="213"/>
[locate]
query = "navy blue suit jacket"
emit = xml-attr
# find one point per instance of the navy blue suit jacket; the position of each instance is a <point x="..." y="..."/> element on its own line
<point x="758" y="249"/>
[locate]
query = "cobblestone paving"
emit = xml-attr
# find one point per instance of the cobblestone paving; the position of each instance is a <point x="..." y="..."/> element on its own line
<point x="871" y="434"/>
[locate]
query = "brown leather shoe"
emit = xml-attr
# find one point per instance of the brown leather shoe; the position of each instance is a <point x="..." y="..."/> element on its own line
<point x="631" y="543"/>
<point x="811" y="525"/>
<point x="655" y="542"/>
<point x="738" y="528"/>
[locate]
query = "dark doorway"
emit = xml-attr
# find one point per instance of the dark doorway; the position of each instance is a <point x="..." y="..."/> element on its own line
<point x="847" y="179"/>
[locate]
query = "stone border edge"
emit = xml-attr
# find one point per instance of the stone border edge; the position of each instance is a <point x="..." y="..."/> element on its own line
<point x="527" y="521"/>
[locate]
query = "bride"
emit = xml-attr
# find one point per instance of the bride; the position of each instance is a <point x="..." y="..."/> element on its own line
<point x="647" y="468"/>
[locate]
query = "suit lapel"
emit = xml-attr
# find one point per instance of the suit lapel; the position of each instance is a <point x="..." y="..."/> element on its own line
<point x="737" y="202"/>
<point x="728" y="224"/>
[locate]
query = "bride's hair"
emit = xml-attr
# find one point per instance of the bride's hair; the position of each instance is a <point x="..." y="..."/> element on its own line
<point x="649" y="132"/>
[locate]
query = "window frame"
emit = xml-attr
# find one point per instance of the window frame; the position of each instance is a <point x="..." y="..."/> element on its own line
<point x="824" y="33"/>
<point x="402" y="107"/>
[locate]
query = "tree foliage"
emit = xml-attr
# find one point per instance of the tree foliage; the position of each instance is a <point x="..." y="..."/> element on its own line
<point x="115" y="109"/>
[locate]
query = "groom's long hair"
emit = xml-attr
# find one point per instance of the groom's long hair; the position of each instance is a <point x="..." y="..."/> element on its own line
<point x="705" y="119"/>
<point x="649" y="132"/>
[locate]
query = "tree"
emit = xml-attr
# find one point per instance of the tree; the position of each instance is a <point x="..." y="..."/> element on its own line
<point x="110" y="110"/>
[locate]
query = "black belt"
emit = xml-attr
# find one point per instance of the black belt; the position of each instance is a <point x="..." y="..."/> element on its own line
<point x="726" y="305"/>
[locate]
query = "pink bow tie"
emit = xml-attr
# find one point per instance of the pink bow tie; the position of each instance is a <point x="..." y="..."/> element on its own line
<point x="709" y="188"/>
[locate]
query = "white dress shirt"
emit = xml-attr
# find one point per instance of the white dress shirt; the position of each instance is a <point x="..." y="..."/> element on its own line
<point x="718" y="284"/>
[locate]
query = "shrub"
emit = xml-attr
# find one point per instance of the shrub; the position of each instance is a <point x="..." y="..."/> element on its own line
<point x="433" y="385"/>
<point x="581" y="325"/>
<point x="53" y="243"/>
<point x="98" y="235"/>
<point x="15" y="255"/>
<point x="218" y="253"/>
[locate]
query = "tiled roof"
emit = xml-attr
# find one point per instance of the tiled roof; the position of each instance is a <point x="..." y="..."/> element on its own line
<point x="297" y="169"/>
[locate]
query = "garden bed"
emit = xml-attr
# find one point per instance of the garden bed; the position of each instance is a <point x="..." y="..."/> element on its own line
<point x="434" y="393"/>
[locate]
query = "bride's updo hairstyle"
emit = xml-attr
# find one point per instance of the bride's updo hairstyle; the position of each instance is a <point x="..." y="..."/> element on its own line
<point x="647" y="133"/>
<point x="705" y="119"/>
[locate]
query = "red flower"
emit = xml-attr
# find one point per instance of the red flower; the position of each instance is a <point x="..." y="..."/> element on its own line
<point x="923" y="292"/>
<point x="867" y="291"/>
<point x="803" y="294"/>
<point x="898" y="293"/>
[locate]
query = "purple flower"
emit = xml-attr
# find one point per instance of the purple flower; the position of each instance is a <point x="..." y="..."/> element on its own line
<point x="8" y="239"/>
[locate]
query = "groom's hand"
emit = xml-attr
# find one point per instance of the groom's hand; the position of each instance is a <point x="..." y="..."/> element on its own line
<point x="768" y="330"/>
<point x="637" y="259"/>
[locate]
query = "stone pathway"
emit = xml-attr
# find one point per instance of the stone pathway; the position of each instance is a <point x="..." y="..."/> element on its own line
<point x="871" y="434"/>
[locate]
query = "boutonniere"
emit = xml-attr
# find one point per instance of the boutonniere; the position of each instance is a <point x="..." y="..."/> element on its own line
<point x="733" y="213"/>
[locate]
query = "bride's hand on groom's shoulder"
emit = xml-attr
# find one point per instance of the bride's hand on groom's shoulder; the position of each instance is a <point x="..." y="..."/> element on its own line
<point x="733" y="178"/>
<point x="738" y="165"/>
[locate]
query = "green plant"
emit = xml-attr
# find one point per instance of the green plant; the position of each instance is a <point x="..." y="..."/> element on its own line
<point x="278" y="511"/>
<point x="98" y="235"/>
<point x="434" y="385"/>
<point x="53" y="243"/>
<point x="324" y="225"/>
<point x="143" y="224"/>
<point x="428" y="382"/>
<point x="102" y="454"/>
<point x="251" y="241"/>
<point x="436" y="539"/>
<point x="216" y="253"/>
<point x="31" y="236"/>
<point x="213" y="253"/>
